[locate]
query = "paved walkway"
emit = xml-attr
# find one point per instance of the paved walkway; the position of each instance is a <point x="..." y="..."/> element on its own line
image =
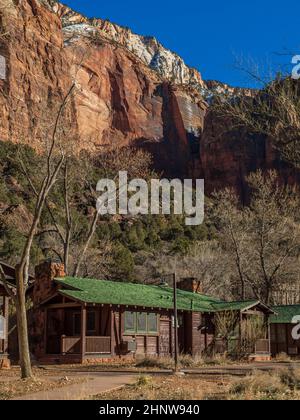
<point x="96" y="384"/>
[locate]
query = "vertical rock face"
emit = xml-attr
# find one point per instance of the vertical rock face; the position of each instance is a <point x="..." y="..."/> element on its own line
<point x="228" y="157"/>
<point x="35" y="69"/>
<point x="121" y="98"/>
<point x="130" y="90"/>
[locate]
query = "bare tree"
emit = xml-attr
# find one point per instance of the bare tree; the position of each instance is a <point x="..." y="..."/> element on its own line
<point x="136" y="162"/>
<point x="54" y="158"/>
<point x="252" y="329"/>
<point x="49" y="134"/>
<point x="273" y="111"/>
<point x="274" y="234"/>
<point x="77" y="249"/>
<point x="226" y="324"/>
<point x="232" y="223"/>
<point x="263" y="240"/>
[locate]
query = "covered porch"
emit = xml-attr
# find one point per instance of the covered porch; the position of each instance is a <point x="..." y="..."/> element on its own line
<point x="77" y="332"/>
<point x="242" y="329"/>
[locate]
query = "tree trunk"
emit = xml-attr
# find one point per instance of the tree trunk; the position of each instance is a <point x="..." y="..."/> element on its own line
<point x="91" y="233"/>
<point x="243" y="290"/>
<point x="24" y="353"/>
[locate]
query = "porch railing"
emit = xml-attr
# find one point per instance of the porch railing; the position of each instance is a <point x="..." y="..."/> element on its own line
<point x="234" y="347"/>
<point x="70" y="345"/>
<point x="98" y="345"/>
<point x="94" y="345"/>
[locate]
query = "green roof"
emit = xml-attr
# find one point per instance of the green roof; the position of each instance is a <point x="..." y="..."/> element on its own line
<point x="235" y="306"/>
<point x="130" y="294"/>
<point x="146" y="296"/>
<point x="285" y="314"/>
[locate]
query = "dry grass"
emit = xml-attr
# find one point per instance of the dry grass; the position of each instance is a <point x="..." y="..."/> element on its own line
<point x="11" y="386"/>
<point x="170" y="388"/>
<point x="185" y="362"/>
<point x="282" y="358"/>
<point x="282" y="385"/>
<point x="149" y="363"/>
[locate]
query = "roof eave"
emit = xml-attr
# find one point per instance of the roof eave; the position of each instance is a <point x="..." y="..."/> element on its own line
<point x="259" y="303"/>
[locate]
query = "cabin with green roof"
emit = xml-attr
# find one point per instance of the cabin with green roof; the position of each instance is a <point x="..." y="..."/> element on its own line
<point x="79" y="320"/>
<point x="285" y="330"/>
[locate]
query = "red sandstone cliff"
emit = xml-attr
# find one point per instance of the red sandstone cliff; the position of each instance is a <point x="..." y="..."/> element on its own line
<point x="120" y="99"/>
<point x="129" y="90"/>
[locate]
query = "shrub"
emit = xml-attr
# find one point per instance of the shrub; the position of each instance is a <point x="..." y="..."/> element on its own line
<point x="283" y="357"/>
<point x="144" y="381"/>
<point x="267" y="386"/>
<point x="156" y="363"/>
<point x="290" y="378"/>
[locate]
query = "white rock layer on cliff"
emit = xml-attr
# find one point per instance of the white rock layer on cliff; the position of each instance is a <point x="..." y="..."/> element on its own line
<point x="169" y="65"/>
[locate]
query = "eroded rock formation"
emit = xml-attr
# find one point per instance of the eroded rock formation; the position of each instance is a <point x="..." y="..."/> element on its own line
<point x="129" y="90"/>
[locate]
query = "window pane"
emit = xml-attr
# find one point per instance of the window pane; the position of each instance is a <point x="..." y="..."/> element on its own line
<point x="142" y="322"/>
<point x="130" y="321"/>
<point x="152" y="323"/>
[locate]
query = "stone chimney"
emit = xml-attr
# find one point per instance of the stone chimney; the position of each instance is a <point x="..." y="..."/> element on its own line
<point x="190" y="285"/>
<point x="44" y="286"/>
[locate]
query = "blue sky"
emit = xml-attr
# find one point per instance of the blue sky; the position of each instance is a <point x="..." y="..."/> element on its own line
<point x="212" y="35"/>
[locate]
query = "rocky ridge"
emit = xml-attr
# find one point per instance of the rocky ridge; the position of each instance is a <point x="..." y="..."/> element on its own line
<point x="167" y="64"/>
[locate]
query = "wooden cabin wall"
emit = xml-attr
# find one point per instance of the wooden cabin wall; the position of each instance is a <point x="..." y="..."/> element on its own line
<point x="160" y="344"/>
<point x="207" y="335"/>
<point x="199" y="333"/>
<point x="192" y="340"/>
<point x="282" y="340"/>
<point x="187" y="346"/>
<point x="166" y="343"/>
<point x="196" y="333"/>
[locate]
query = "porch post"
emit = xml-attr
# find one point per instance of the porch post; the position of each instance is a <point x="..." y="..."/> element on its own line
<point x="112" y="332"/>
<point x="6" y="316"/>
<point x="83" y="331"/>
<point x="240" y="332"/>
<point x="45" y="331"/>
<point x="269" y="336"/>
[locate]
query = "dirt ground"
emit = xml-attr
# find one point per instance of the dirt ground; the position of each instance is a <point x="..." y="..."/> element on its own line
<point x="12" y="386"/>
<point x="283" y="385"/>
<point x="267" y="381"/>
<point x="172" y="388"/>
